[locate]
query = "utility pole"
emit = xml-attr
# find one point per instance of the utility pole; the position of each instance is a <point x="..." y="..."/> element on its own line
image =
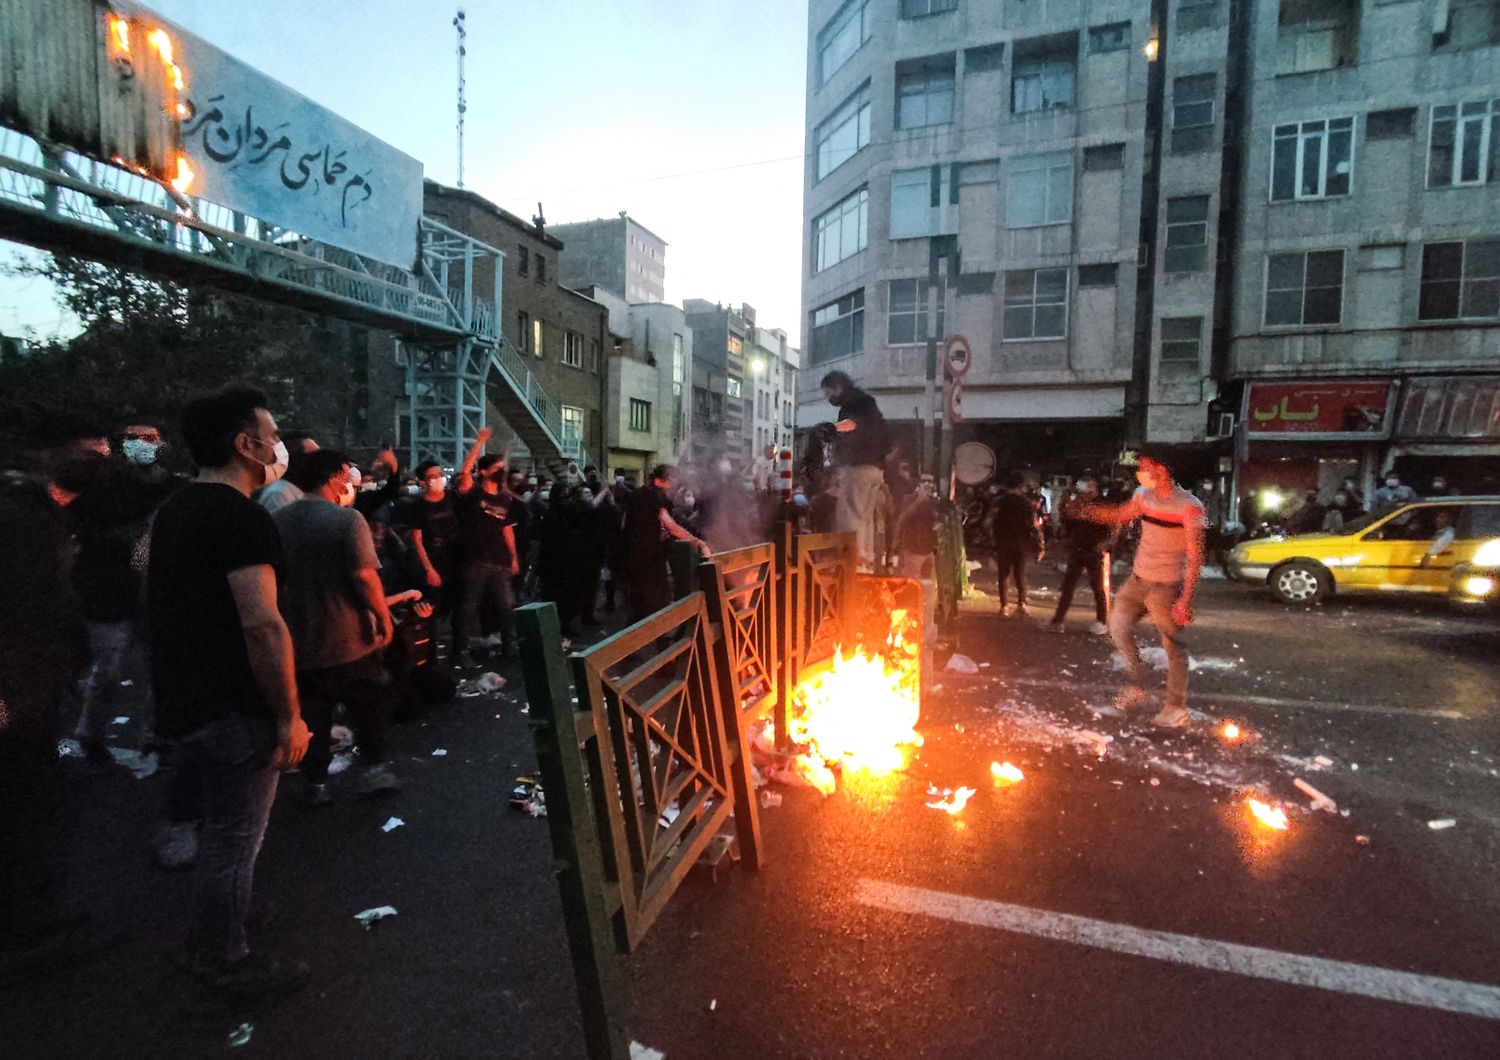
<point x="458" y="24"/>
<point x="942" y="270"/>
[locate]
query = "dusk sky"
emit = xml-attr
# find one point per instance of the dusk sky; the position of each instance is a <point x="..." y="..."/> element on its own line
<point x="688" y="114"/>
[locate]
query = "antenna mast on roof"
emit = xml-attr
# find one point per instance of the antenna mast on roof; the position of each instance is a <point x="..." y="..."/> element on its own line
<point x="458" y="24"/>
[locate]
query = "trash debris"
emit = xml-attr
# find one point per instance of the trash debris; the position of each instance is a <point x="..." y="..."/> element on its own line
<point x="713" y="1004"/>
<point x="140" y="765"/>
<point x="391" y="825"/>
<point x="439" y="752"/>
<point x="1155" y="783"/>
<point x="769" y="800"/>
<point x="339" y="763"/>
<point x="961" y="664"/>
<point x="1325" y="762"/>
<point x="669" y="816"/>
<point x="1319" y="800"/>
<point x="528" y="797"/>
<point x="241" y="1035"/>
<point x="369" y="916"/>
<point x="1006" y="772"/>
<point x="1155" y="656"/>
<point x="1362" y="840"/>
<point x="952" y="802"/>
<point x="342" y="737"/>
<point x="123" y="719"/>
<point x="1098" y="739"/>
<point x="485" y="684"/>
<point x="643" y="1052"/>
<point x="1439" y="825"/>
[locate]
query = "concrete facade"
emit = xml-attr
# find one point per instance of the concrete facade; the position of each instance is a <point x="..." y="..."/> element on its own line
<point x="617" y="253"/>
<point x="723" y="413"/>
<point x="562" y="332"/>
<point x="772" y="385"/>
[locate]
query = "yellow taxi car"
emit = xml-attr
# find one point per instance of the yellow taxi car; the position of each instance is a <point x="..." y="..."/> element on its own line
<point x="1442" y="545"/>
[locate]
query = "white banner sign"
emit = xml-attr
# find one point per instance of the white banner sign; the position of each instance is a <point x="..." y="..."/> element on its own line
<point x="258" y="147"/>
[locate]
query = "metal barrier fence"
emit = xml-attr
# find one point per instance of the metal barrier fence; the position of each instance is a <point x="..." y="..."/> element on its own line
<point x="641" y="739"/>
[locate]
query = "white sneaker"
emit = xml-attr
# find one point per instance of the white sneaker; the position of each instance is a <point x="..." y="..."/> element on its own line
<point x="1099" y="629"/>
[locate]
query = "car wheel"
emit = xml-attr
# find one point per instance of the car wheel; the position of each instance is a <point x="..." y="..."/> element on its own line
<point x="1300" y="582"/>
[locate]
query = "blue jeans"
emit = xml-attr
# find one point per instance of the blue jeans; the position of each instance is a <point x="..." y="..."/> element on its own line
<point x="237" y="760"/>
<point x="115" y="651"/>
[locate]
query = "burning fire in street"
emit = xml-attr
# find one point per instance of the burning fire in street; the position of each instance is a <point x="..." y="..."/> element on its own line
<point x="1270" y="816"/>
<point x="1005" y="773"/>
<point x="861" y="714"/>
<point x="953" y="802"/>
<point x="1230" y="731"/>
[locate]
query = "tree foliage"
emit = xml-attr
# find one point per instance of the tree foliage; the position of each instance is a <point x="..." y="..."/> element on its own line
<point x="147" y="345"/>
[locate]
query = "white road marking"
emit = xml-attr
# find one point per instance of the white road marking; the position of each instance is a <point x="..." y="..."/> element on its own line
<point x="1383" y="984"/>
<point x="1260" y="701"/>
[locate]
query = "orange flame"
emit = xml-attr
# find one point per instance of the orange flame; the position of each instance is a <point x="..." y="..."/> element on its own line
<point x="1230" y="731"/>
<point x="1270" y="816"/>
<point x="1004" y="772"/>
<point x="119" y="31"/>
<point x="184" y="178"/>
<point x="162" y="42"/>
<point x="862" y="713"/>
<point x="953" y="804"/>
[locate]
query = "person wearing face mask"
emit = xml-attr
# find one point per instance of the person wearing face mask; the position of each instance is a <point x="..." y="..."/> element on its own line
<point x="334" y="604"/>
<point x="1162" y="582"/>
<point x="1088" y="553"/>
<point x="488" y="518"/>
<point x="916" y="533"/>
<point x="648" y="527"/>
<point x="859" y="456"/>
<point x="434" y="537"/>
<point x="1394" y="492"/>
<point x="279" y="491"/>
<point x="222" y="670"/>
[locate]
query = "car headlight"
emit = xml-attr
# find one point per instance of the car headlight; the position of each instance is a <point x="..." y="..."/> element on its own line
<point x="1488" y="554"/>
<point x="1479" y="586"/>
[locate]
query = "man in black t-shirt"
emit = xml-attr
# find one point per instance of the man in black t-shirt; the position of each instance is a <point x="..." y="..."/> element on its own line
<point x="434" y="534"/>
<point x="1017" y="536"/>
<point x="223" y="674"/>
<point x="488" y="515"/>
<point x="648" y="527"/>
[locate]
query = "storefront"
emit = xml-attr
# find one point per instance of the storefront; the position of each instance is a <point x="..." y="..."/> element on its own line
<point x="1300" y="435"/>
<point x="1448" y="426"/>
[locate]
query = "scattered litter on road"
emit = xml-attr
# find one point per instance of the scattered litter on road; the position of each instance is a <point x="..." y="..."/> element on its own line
<point x="342" y="737"/>
<point x="391" y="825"/>
<point x="140" y="765"/>
<point x="669" y="816"/>
<point x="769" y="800"/>
<point x="485" y="684"/>
<point x="1155" y="656"/>
<point x="713" y="1004"/>
<point x="340" y="763"/>
<point x="241" y="1035"/>
<point x="1319" y="800"/>
<point x="123" y="719"/>
<point x="439" y="752"/>
<point x="1155" y="783"/>
<point x="1098" y="739"/>
<point x="961" y="664"/>
<point x="1323" y="761"/>
<point x="369" y="916"/>
<point x="528" y="797"/>
<point x="1439" y="825"/>
<point x="1362" y="840"/>
<point x="644" y="1052"/>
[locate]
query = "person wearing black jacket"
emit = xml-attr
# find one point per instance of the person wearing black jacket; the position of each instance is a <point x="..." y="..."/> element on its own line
<point x="1088" y="552"/>
<point x="1017" y="536"/>
<point x="859" y="453"/>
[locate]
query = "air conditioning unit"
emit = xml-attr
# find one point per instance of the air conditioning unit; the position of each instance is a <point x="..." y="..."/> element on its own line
<point x="1221" y="425"/>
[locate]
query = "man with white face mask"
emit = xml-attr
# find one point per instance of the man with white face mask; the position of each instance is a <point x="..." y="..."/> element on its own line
<point x="223" y="675"/>
<point x="279" y="491"/>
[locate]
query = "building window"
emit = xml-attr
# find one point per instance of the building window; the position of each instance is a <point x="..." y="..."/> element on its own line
<point x="924" y="93"/>
<point x="1466" y="24"/>
<point x="1395" y="124"/>
<point x="1460" y="281"/>
<point x="922" y="8"/>
<point x="1110" y="38"/>
<point x="593" y="355"/>
<point x="1041" y="79"/>
<point x="1305" y="288"/>
<point x="1187" y="233"/>
<point x="841" y="232"/>
<point x="844" y="132"/>
<point x="1039" y="191"/>
<point x="1463" y="144"/>
<point x="906" y="313"/>
<point x="1103" y="156"/>
<point x="572" y="349"/>
<point x="677" y="364"/>
<point x="1193" y="113"/>
<point x="732" y="387"/>
<point x="842" y="37"/>
<point x="911" y="203"/>
<point x="523" y="261"/>
<point x="640" y="415"/>
<point x="523" y="331"/>
<point x="572" y="430"/>
<point x="1181" y="338"/>
<point x="541" y="269"/>
<point x="838" y="328"/>
<point x="1195" y="14"/>
<point x="1098" y="275"/>
<point x="536" y="338"/>
<point x="1036" y="304"/>
<point x="736" y="345"/>
<point x="1311" y="159"/>
<point x="1316" y="35"/>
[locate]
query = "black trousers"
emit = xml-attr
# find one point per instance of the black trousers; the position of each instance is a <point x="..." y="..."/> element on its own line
<point x="364" y="687"/>
<point x="1010" y="563"/>
<point x="1096" y="565"/>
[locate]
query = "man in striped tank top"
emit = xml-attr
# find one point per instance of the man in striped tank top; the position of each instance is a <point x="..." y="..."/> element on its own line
<point x="1161" y="584"/>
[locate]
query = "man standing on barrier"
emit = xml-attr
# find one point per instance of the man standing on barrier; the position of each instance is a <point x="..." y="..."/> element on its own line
<point x="859" y="456"/>
<point x="648" y="527"/>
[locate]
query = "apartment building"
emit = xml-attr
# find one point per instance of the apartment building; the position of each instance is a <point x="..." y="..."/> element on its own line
<point x="722" y="412"/>
<point x="618" y="253"/>
<point x="771" y="383"/>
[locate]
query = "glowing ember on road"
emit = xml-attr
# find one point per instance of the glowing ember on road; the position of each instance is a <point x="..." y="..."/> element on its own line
<point x="1270" y="816"/>
<point x="861" y="714"/>
<point x="954" y="803"/>
<point x="1004" y="772"/>
<point x="1230" y="731"/>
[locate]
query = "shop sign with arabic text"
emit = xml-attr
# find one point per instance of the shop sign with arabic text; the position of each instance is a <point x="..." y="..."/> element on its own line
<point x="1328" y="409"/>
<point x="258" y="147"/>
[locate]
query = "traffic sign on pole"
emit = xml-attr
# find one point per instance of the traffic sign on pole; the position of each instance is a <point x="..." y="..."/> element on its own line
<point x="957" y="355"/>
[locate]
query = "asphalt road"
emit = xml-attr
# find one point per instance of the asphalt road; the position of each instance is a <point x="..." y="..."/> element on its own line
<point x="1091" y="909"/>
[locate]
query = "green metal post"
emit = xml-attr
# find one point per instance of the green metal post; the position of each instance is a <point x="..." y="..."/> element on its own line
<point x="786" y="630"/>
<point x="579" y="862"/>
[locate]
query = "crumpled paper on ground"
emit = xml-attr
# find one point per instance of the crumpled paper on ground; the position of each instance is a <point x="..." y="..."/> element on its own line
<point x="379" y="912"/>
<point x="961" y="664"/>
